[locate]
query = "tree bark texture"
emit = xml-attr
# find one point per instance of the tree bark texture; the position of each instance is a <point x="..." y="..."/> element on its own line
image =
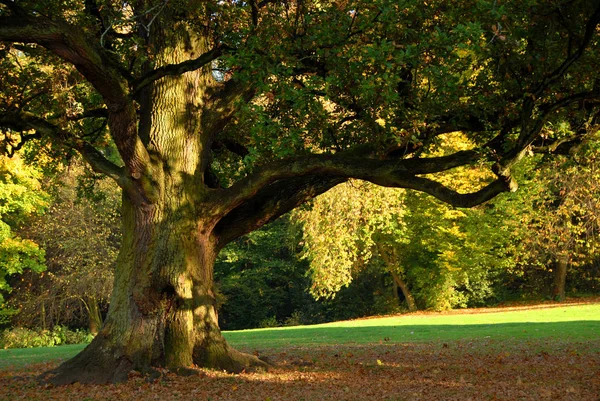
<point x="163" y="311"/>
<point x="94" y="316"/>
<point x="410" y="300"/>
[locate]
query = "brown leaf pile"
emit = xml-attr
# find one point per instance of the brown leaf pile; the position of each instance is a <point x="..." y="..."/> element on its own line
<point x="465" y="370"/>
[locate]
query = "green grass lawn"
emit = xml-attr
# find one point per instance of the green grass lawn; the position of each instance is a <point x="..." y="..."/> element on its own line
<point x="25" y="356"/>
<point x="570" y="323"/>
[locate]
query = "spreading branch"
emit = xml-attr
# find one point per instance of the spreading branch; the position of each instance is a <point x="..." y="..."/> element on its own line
<point x="26" y="122"/>
<point x="281" y="196"/>
<point x="270" y="203"/>
<point x="281" y="185"/>
<point x="346" y="165"/>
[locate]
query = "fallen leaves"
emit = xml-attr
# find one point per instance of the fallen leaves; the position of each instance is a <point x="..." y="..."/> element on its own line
<point x="462" y="370"/>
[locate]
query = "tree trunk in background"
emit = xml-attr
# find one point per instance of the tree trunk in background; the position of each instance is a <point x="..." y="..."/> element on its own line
<point x="94" y="315"/>
<point x="386" y="255"/>
<point x="560" y="278"/>
<point x="410" y="300"/>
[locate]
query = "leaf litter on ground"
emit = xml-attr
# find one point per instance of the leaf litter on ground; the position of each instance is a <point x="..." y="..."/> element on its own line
<point x="483" y="369"/>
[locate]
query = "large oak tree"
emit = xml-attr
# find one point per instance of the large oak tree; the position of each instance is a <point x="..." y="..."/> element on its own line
<point x="227" y="114"/>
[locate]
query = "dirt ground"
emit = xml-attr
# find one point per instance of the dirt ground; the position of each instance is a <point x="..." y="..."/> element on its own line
<point x="466" y="370"/>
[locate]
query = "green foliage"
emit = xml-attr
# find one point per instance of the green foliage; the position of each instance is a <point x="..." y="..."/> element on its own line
<point x="338" y="231"/>
<point x="80" y="234"/>
<point x="20" y="197"/>
<point x="554" y="215"/>
<point x="260" y="280"/>
<point x="26" y="338"/>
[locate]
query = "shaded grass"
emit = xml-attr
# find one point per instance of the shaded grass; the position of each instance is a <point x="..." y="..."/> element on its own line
<point x="570" y="323"/>
<point x="24" y="356"/>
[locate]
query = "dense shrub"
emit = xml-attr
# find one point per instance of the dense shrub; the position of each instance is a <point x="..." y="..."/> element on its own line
<point x="19" y="337"/>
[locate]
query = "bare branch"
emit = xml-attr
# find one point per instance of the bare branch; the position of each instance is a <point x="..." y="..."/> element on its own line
<point x="92" y="113"/>
<point x="10" y="145"/>
<point x="590" y="31"/>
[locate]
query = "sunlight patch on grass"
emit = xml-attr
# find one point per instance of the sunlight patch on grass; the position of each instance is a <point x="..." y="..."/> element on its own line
<point x="576" y="323"/>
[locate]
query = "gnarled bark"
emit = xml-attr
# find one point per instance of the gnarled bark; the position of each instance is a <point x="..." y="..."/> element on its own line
<point x="162" y="311"/>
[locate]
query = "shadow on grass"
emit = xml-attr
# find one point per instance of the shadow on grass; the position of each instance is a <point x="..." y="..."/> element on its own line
<point x="24" y="356"/>
<point x="266" y="340"/>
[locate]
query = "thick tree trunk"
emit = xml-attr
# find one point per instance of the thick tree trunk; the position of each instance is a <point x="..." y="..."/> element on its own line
<point x="560" y="278"/>
<point x="162" y="311"/>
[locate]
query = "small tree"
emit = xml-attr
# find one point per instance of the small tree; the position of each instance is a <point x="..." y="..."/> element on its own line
<point x="20" y="197"/>
<point x="80" y="235"/>
<point x="560" y="221"/>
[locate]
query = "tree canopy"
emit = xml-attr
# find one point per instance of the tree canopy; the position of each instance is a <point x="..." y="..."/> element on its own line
<point x="217" y="117"/>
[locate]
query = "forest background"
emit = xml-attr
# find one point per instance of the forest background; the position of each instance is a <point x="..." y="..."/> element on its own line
<point x="358" y="250"/>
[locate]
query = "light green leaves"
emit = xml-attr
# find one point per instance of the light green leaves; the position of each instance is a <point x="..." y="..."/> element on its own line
<point x="20" y="197"/>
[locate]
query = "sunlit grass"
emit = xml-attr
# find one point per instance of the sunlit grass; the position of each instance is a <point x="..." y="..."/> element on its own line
<point x="569" y="323"/>
<point x="573" y="323"/>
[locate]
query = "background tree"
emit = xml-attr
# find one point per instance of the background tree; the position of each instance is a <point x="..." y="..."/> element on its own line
<point x="20" y="197"/>
<point x="558" y="214"/>
<point x="308" y="94"/>
<point x="261" y="280"/>
<point x="80" y="235"/>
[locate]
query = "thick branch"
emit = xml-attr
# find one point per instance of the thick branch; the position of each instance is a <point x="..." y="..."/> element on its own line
<point x="270" y="203"/>
<point x="71" y="44"/>
<point x="97" y="66"/>
<point x="177" y="69"/>
<point x="279" y="197"/>
<point x="282" y="185"/>
<point x="342" y="165"/>
<point x="23" y="121"/>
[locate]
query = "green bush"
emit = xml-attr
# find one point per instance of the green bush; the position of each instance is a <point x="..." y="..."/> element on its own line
<point x="268" y="323"/>
<point x="20" y="337"/>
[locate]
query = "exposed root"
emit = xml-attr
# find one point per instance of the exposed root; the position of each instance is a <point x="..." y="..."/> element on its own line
<point x="230" y="360"/>
<point x="102" y="363"/>
<point x="92" y="365"/>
